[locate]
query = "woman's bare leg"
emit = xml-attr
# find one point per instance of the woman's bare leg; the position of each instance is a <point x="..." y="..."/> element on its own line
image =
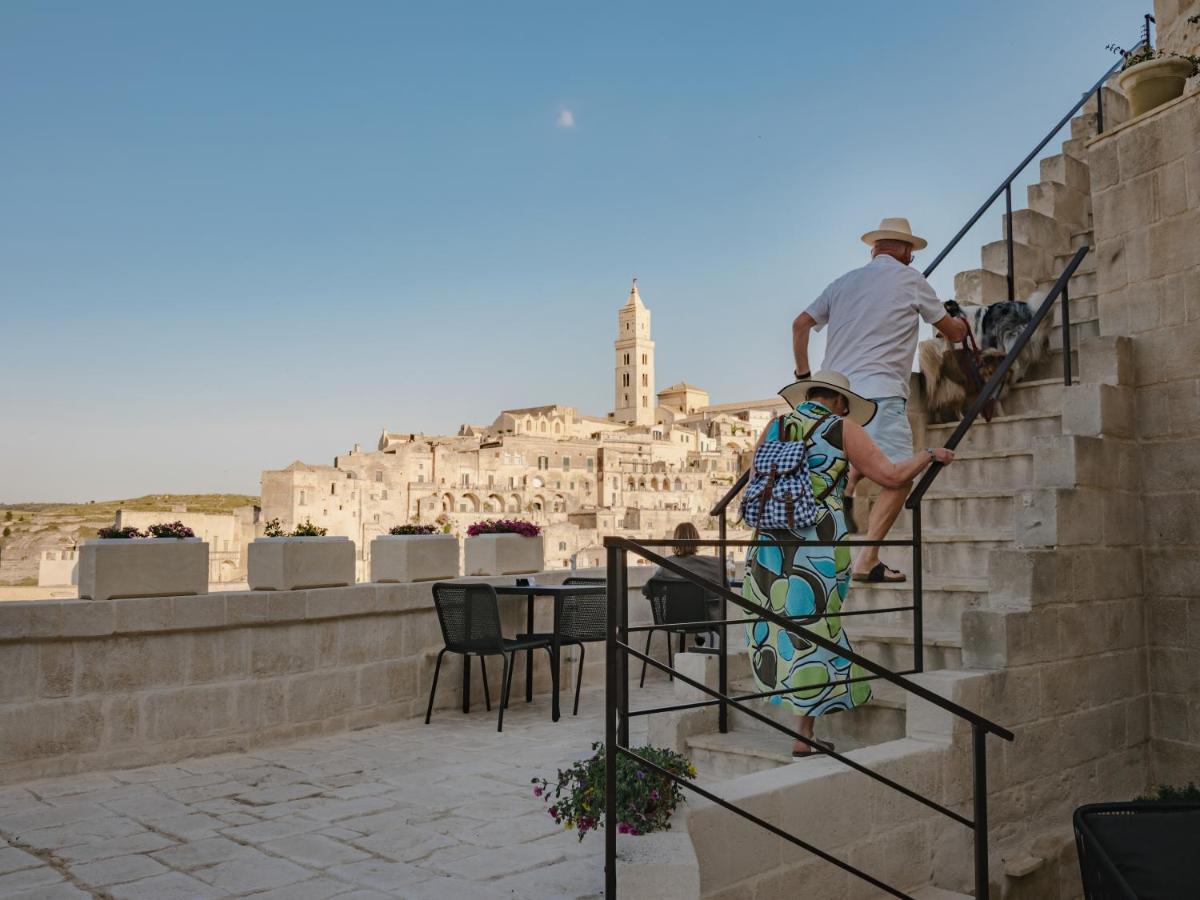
<point x="804" y="726"/>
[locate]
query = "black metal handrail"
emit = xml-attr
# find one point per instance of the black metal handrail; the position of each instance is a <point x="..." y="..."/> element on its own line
<point x="1005" y="187"/>
<point x="992" y="388"/>
<point x="618" y="713"/>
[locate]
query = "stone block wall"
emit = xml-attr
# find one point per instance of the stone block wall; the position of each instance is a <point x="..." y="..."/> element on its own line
<point x="119" y="683"/>
<point x="1175" y="33"/>
<point x="1146" y="190"/>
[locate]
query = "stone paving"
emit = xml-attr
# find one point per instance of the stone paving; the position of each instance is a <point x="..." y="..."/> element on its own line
<point x="401" y="810"/>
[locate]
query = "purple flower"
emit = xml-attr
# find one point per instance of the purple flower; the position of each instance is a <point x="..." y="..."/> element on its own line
<point x="654" y="795"/>
<point x="641" y="776"/>
<point x="537" y="792"/>
<point x="624" y="828"/>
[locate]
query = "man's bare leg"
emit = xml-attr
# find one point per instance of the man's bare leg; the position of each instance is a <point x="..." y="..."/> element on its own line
<point x="883" y="515"/>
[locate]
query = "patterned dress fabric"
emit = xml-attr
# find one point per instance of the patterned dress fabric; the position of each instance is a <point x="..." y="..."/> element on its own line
<point x="808" y="585"/>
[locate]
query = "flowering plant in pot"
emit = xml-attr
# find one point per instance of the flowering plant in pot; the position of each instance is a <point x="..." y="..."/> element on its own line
<point x="413" y="528"/>
<point x="176" y="530"/>
<point x="1150" y="78"/>
<point x="274" y="528"/>
<point x="164" y="560"/>
<point x="504" y="526"/>
<point x="113" y="533"/>
<point x="645" y="799"/>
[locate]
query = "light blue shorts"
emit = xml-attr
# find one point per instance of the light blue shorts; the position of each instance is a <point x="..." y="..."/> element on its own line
<point x="890" y="429"/>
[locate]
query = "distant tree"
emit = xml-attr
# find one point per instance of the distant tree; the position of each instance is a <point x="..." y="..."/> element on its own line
<point x="7" y="531"/>
<point x="8" y="515"/>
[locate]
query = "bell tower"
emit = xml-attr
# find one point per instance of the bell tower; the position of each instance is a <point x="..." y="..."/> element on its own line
<point x="634" y="399"/>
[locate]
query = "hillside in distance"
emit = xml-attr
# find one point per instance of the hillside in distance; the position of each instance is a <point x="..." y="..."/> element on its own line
<point x="27" y="529"/>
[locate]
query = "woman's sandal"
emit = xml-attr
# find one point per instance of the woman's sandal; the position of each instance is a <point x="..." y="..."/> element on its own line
<point x="801" y="754"/>
<point x="880" y="574"/>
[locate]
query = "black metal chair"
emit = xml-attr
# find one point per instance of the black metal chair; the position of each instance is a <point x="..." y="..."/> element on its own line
<point x="1138" y="849"/>
<point x="582" y="620"/>
<point x="469" y="615"/>
<point x="674" y="602"/>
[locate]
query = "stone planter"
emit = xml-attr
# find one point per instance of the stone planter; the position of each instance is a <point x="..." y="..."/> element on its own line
<point x="503" y="554"/>
<point x="1152" y="83"/>
<point x="295" y="563"/>
<point x="414" y="557"/>
<point x="142" y="567"/>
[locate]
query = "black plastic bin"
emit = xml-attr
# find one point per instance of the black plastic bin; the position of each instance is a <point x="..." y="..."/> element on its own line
<point x="1139" y="850"/>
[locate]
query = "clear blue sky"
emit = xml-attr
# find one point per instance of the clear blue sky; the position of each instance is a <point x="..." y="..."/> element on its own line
<point x="237" y="234"/>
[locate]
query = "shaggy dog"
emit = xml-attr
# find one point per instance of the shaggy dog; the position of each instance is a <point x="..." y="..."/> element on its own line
<point x="996" y="328"/>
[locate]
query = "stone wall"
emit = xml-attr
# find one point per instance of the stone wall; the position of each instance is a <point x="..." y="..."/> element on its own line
<point x="1175" y="33"/>
<point x="112" y="684"/>
<point x="1146" y="190"/>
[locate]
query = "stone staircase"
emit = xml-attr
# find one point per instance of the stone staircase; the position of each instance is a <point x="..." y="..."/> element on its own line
<point x="969" y="514"/>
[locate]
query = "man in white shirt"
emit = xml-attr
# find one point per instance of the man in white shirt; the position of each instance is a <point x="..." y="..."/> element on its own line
<point x="872" y="315"/>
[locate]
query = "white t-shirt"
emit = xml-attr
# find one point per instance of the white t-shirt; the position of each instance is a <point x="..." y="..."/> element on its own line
<point x="872" y="316"/>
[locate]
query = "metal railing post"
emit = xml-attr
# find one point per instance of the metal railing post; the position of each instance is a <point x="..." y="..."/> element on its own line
<point x="1066" y="335"/>
<point x="622" y="577"/>
<point x="979" y="777"/>
<point x="611" y="670"/>
<point x="1008" y="234"/>
<point x="723" y="646"/>
<point x="918" y="617"/>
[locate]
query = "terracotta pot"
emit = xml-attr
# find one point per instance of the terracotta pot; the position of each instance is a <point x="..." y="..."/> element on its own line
<point x="1152" y="83"/>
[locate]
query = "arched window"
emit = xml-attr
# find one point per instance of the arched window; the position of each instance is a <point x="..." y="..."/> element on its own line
<point x="645" y="380"/>
<point x="543" y="426"/>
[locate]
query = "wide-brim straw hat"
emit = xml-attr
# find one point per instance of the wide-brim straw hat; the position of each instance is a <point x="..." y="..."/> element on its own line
<point x="862" y="410"/>
<point x="895" y="230"/>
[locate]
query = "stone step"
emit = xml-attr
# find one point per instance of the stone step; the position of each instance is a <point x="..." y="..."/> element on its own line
<point x="984" y="287"/>
<point x="1067" y="170"/>
<point x="944" y="602"/>
<point x="1043" y="395"/>
<point x="721" y="757"/>
<point x="965" y="511"/>
<point x="997" y="470"/>
<point x="1052" y="365"/>
<point x="1029" y="262"/>
<point x="950" y="555"/>
<point x="929" y="892"/>
<point x="1060" y="202"/>
<point x="1076" y="147"/>
<point x="1038" y="230"/>
<point x="1088" y="264"/>
<point x="1008" y="432"/>
<point x="1079" y="331"/>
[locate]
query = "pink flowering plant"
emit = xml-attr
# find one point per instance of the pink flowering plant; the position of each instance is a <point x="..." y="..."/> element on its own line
<point x="414" y="529"/>
<point x="175" y="530"/>
<point x="112" y="532"/>
<point x="504" y="526"/>
<point x="645" y="799"/>
<point x="169" y="530"/>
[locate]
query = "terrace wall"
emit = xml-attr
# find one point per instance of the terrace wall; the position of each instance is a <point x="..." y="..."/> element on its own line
<point x="120" y="683"/>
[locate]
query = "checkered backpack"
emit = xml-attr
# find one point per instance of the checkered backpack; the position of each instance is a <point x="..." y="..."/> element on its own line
<point x="779" y="495"/>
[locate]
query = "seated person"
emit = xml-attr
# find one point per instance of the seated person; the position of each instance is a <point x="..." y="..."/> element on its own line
<point x="709" y="567"/>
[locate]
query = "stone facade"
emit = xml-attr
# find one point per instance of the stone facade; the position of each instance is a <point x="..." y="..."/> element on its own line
<point x="642" y="469"/>
<point x="1146" y="184"/>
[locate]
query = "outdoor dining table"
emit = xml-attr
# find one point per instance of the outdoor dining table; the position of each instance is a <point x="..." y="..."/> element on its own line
<point x="557" y="593"/>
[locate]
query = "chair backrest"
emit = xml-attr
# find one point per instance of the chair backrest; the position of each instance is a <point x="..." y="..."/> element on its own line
<point x="673" y="600"/>
<point x="469" y="615"/>
<point x="584" y="617"/>
<point x="584" y="579"/>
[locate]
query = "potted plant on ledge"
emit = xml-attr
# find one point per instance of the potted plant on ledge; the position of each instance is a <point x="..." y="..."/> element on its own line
<point x="1149" y="78"/>
<point x="414" y="553"/>
<point x="304" y="558"/>
<point x="645" y="800"/>
<point x="504" y="547"/>
<point x="165" y="560"/>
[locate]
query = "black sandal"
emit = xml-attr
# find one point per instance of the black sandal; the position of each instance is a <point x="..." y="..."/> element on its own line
<point x="814" y="750"/>
<point x="881" y="574"/>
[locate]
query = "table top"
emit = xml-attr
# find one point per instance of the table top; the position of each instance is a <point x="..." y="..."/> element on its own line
<point x="546" y="590"/>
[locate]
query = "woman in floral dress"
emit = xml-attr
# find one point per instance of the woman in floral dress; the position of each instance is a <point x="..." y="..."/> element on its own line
<point x="809" y="585"/>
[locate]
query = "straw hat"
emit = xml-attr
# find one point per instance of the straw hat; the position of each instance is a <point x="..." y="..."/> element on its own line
<point x="862" y="410"/>
<point x="895" y="230"/>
